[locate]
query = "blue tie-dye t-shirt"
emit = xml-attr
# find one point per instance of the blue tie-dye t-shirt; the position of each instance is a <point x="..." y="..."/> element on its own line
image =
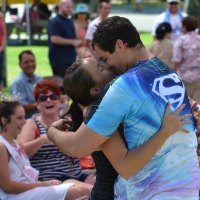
<point x="138" y="99"/>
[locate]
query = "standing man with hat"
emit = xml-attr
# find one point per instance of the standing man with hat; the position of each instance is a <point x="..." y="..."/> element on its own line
<point x="172" y="15"/>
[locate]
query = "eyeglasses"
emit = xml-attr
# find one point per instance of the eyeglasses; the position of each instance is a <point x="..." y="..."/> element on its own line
<point x="44" y="98"/>
<point x="173" y="3"/>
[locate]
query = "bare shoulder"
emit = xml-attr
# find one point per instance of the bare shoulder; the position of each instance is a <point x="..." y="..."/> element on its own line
<point x="3" y="151"/>
<point x="28" y="131"/>
<point x="30" y="122"/>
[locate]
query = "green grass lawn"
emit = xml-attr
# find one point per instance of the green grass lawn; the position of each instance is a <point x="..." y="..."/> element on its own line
<point x="41" y="53"/>
<point x="146" y="38"/>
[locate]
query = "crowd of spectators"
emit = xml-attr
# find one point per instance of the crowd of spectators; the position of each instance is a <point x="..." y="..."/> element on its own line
<point x="175" y="41"/>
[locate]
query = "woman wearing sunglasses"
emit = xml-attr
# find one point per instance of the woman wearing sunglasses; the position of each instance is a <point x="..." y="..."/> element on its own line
<point x="44" y="155"/>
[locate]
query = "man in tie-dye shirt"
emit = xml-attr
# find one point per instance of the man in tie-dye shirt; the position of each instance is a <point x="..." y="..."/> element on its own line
<point x="137" y="99"/>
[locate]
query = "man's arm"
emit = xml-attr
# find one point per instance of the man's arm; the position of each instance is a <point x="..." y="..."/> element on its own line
<point x="87" y="43"/>
<point x="63" y="41"/>
<point x="76" y="144"/>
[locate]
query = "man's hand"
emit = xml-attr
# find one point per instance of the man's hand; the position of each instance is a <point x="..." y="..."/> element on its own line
<point x="76" y="43"/>
<point x="60" y="124"/>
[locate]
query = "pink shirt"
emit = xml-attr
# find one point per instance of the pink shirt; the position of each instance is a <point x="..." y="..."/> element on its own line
<point x="1" y="30"/>
<point x="187" y="52"/>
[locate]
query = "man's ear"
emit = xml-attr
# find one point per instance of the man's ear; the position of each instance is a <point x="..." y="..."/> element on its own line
<point x="120" y="45"/>
<point x="94" y="91"/>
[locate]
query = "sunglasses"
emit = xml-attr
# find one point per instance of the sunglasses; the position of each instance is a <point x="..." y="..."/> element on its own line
<point x="173" y="3"/>
<point x="44" y="98"/>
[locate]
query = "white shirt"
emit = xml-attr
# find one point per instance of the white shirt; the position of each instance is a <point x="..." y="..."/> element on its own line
<point x="175" y="21"/>
<point x="92" y="28"/>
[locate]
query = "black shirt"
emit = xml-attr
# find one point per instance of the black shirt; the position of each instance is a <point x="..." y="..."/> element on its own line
<point x="105" y="173"/>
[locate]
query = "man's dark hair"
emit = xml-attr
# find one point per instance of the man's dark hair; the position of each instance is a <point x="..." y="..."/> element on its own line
<point x="25" y="52"/>
<point x="112" y="29"/>
<point x="102" y="3"/>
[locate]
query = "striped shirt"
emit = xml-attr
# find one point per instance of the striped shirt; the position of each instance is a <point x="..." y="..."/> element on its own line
<point x="52" y="163"/>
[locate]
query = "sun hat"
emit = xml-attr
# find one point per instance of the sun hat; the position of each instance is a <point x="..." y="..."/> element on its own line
<point x="81" y="8"/>
<point x="170" y="1"/>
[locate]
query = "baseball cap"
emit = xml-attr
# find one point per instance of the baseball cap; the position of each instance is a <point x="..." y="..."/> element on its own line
<point x="162" y="29"/>
<point x="81" y="8"/>
<point x="170" y="1"/>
